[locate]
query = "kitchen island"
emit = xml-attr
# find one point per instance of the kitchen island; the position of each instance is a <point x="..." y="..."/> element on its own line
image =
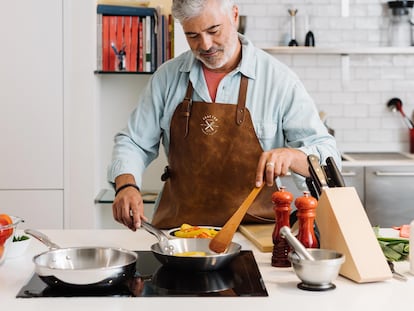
<point x="281" y="283"/>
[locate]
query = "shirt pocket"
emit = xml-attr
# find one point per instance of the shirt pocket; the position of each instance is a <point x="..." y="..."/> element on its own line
<point x="266" y="131"/>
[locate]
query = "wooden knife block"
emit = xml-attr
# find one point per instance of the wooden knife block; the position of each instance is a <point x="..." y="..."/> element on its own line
<point x="344" y="227"/>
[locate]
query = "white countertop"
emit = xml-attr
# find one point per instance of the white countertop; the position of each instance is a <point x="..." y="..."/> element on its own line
<point x="280" y="283"/>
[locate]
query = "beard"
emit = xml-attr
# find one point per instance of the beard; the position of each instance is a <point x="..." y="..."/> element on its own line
<point x="217" y="56"/>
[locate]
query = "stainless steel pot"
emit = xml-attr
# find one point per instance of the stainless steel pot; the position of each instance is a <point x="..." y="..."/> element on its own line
<point x="83" y="266"/>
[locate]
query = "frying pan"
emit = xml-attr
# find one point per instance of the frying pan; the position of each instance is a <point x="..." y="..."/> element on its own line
<point x="169" y="257"/>
<point x="91" y="267"/>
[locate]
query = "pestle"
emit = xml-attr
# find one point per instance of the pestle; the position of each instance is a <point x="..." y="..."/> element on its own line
<point x="295" y="244"/>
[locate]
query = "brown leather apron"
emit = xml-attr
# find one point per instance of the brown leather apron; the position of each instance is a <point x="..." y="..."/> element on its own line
<point x="212" y="159"/>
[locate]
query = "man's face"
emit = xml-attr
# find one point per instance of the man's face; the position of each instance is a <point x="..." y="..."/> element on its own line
<point x="212" y="36"/>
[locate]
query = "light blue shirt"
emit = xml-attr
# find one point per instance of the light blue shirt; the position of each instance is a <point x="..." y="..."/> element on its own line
<point x="283" y="113"/>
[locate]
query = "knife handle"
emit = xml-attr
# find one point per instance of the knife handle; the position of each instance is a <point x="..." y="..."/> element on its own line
<point x="335" y="174"/>
<point x="317" y="172"/>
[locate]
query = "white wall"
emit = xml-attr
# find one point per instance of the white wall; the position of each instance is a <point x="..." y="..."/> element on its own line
<point x="356" y="109"/>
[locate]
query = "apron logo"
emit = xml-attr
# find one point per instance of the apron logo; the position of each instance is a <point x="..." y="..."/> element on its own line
<point x="209" y="125"/>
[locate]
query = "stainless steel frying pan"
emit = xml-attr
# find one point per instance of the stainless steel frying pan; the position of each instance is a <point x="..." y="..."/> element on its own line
<point x="82" y="266"/>
<point x="167" y="252"/>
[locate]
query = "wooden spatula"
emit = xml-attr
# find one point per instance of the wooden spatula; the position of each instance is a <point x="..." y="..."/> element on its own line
<point x="224" y="237"/>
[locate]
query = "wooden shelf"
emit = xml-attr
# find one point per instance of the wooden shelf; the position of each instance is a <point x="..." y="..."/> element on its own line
<point x="339" y="50"/>
<point x="100" y="72"/>
<point x="108" y="195"/>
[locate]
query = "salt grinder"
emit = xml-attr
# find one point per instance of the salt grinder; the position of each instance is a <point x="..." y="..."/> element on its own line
<point x="282" y="200"/>
<point x="306" y="213"/>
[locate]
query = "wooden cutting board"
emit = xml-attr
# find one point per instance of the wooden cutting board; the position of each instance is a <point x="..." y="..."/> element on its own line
<point x="260" y="235"/>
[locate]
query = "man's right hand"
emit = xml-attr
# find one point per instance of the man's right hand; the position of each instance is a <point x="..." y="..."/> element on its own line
<point x="128" y="206"/>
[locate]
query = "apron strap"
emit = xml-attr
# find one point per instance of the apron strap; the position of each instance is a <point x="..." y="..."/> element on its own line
<point x="187" y="102"/>
<point x="241" y="104"/>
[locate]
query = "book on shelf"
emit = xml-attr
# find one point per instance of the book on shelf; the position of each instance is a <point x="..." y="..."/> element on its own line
<point x="143" y="34"/>
<point x="105" y="9"/>
<point x="134" y="44"/>
<point x="127" y="41"/>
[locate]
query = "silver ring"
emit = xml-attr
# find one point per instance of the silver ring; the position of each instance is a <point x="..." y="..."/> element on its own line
<point x="270" y="164"/>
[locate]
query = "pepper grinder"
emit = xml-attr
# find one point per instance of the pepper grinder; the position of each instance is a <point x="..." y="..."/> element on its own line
<point x="306" y="213"/>
<point x="292" y="13"/>
<point x="282" y="200"/>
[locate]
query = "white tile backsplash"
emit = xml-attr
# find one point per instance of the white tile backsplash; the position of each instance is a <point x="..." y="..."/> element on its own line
<point x="355" y="107"/>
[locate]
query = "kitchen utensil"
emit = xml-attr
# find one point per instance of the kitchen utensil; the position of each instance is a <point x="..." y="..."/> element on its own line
<point x="87" y="267"/>
<point x="400" y="27"/>
<point x="395" y="104"/>
<point x="295" y="244"/>
<point x="310" y="37"/>
<point x="334" y="176"/>
<point x="163" y="239"/>
<point x="395" y="274"/>
<point x="292" y="13"/>
<point x="223" y="238"/>
<point x="210" y="262"/>
<point x="312" y="188"/>
<point x="18" y="247"/>
<point x="318" y="274"/>
<point x="317" y="173"/>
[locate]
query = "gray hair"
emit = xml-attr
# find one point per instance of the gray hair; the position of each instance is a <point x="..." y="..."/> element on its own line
<point x="185" y="9"/>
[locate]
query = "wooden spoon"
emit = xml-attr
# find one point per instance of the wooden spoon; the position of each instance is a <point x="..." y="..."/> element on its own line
<point x="224" y="237"/>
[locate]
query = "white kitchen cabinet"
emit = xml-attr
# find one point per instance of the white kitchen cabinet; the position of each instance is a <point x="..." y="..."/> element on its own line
<point x="31" y="111"/>
<point x="31" y="97"/>
<point x="40" y="209"/>
<point x="389" y="199"/>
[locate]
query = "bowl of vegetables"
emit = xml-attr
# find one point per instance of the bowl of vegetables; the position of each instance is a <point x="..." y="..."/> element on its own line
<point x="19" y="245"/>
<point x="8" y="226"/>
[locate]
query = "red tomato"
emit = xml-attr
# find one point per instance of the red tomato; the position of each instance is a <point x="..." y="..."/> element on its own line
<point x="5" y="233"/>
<point x="405" y="231"/>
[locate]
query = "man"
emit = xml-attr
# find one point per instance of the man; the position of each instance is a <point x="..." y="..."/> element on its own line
<point x="230" y="117"/>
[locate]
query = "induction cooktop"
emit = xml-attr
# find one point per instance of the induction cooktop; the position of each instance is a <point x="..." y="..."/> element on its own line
<point x="240" y="278"/>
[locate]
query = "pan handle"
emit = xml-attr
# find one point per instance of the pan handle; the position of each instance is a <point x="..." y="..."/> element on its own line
<point x="163" y="239"/>
<point x="42" y="238"/>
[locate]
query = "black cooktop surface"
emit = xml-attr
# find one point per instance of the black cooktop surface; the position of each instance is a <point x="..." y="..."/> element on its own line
<point x="240" y="278"/>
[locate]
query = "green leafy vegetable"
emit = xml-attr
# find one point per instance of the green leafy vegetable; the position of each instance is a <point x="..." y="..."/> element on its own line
<point x="394" y="249"/>
<point x="20" y="238"/>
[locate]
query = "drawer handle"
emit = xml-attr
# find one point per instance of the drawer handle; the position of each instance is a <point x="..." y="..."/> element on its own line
<point x="349" y="173"/>
<point x="399" y="174"/>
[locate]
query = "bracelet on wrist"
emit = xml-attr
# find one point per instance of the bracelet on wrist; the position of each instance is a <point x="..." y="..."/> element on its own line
<point x="126" y="186"/>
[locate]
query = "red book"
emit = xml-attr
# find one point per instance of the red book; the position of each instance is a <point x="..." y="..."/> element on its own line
<point x="105" y="43"/>
<point x="119" y="37"/>
<point x="134" y="43"/>
<point x="112" y="39"/>
<point x="127" y="41"/>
